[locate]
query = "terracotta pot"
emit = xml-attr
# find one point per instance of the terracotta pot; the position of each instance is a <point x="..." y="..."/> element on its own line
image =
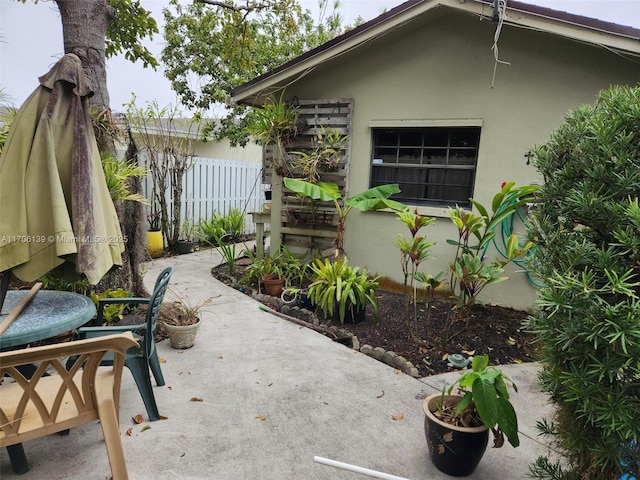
<point x="454" y="450"/>
<point x="155" y="244"/>
<point x="273" y="284"/>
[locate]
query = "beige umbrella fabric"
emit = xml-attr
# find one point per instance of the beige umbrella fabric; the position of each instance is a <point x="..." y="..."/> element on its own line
<point x="54" y="202"/>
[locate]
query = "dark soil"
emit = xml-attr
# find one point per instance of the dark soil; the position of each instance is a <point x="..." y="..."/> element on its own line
<point x="492" y="330"/>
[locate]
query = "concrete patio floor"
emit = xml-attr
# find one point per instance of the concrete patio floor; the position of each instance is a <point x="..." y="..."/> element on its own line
<point x="258" y="397"/>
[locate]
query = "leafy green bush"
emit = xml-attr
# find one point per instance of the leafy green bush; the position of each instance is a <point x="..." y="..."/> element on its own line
<point x="233" y="223"/>
<point x="587" y="227"/>
<point x="219" y="227"/>
<point x="53" y="282"/>
<point x="112" y="313"/>
<point x="210" y="230"/>
<point x="282" y="263"/>
<point x="338" y="287"/>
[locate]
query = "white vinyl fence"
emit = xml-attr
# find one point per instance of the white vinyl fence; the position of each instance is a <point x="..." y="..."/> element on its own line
<point x="213" y="186"/>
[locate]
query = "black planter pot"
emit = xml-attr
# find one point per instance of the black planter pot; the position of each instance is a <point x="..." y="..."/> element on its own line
<point x="454" y="450"/>
<point x="351" y="314"/>
<point x="305" y="301"/>
<point x="183" y="247"/>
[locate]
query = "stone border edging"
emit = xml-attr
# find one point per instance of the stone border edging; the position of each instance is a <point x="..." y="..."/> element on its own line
<point x="388" y="357"/>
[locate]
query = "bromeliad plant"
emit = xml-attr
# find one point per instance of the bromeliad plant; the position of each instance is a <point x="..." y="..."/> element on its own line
<point x="486" y="401"/>
<point x="327" y="155"/>
<point x="276" y="124"/>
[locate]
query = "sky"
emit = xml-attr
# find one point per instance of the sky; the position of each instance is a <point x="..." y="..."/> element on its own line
<point x="31" y="42"/>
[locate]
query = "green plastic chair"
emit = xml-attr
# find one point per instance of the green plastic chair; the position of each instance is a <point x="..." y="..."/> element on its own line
<point x="138" y="360"/>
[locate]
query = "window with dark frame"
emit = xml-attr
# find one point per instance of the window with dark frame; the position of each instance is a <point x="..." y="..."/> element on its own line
<point x="432" y="165"/>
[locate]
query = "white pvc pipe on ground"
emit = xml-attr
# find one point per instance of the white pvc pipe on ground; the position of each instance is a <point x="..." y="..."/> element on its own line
<point x="354" y="468"/>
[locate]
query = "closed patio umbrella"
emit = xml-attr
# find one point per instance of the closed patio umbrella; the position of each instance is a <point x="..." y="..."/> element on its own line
<point x="56" y="208"/>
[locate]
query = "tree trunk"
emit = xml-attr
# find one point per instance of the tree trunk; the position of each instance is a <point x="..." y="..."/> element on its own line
<point x="84" y="29"/>
<point x="84" y="26"/>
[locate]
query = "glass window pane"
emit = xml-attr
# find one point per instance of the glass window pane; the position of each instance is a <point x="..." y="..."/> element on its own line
<point x="385" y="138"/>
<point x="435" y="156"/>
<point x="463" y="157"/>
<point x="410" y="155"/>
<point x="436" y="137"/>
<point x="464" y="138"/>
<point x="411" y="138"/>
<point x="419" y="160"/>
<point x="387" y="155"/>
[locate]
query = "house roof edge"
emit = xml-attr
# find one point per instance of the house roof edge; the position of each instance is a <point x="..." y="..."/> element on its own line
<point x="576" y="27"/>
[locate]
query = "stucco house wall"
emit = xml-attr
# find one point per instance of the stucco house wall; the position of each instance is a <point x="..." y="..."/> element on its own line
<point x="438" y="70"/>
<point x="222" y="149"/>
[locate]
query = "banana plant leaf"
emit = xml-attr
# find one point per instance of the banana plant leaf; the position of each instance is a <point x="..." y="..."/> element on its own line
<point x="373" y="199"/>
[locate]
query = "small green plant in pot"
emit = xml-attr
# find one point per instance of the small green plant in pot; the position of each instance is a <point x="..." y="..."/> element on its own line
<point x="272" y="271"/>
<point x="187" y="240"/>
<point x="457" y="424"/>
<point x="341" y="291"/>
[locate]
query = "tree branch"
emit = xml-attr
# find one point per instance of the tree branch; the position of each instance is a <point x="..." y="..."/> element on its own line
<point x="249" y="7"/>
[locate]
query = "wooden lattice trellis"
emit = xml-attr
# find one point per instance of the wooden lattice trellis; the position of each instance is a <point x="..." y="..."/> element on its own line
<point x="310" y="227"/>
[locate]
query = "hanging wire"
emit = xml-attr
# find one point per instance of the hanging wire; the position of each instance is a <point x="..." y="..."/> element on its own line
<point x="255" y="183"/>
<point x="502" y="10"/>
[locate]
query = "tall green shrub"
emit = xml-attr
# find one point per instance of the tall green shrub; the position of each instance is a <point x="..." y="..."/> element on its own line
<point x="587" y="227"/>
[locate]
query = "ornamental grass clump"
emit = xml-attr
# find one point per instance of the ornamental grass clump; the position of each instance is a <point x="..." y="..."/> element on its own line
<point x="587" y="230"/>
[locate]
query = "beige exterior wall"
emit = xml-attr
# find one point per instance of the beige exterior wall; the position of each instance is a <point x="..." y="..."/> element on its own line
<point x="223" y="150"/>
<point x="440" y="70"/>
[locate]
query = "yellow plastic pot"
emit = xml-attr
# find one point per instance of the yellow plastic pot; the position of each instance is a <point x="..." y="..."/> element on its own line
<point x="155" y="244"/>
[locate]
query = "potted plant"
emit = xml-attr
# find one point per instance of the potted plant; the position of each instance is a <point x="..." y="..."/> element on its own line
<point x="187" y="241"/>
<point x="342" y="292"/>
<point x="457" y="425"/>
<point x="183" y="324"/>
<point x="297" y="293"/>
<point x="272" y="271"/>
<point x="155" y="240"/>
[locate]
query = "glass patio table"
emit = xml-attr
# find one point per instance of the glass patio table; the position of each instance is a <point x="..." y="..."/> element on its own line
<point x="48" y="314"/>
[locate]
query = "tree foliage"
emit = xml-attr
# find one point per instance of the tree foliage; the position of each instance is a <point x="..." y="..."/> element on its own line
<point x="587" y="227"/>
<point x="214" y="46"/>
<point x="131" y="24"/>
